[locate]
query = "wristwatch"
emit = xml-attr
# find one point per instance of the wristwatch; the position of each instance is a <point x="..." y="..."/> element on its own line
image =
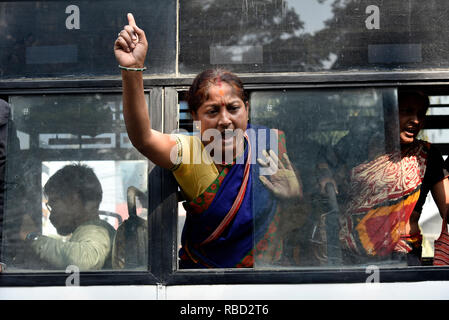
<point x="32" y="236"/>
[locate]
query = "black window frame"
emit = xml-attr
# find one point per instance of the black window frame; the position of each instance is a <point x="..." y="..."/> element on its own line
<point x="309" y="275"/>
<point x="163" y="190"/>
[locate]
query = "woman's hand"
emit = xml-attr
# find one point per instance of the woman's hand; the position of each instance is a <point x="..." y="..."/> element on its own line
<point x="283" y="183"/>
<point x="131" y="46"/>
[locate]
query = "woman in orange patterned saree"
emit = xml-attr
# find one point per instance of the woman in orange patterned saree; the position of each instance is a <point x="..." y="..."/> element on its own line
<point x="386" y="194"/>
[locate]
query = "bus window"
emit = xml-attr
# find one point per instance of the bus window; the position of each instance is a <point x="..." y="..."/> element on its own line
<point x="323" y="78"/>
<point x="70" y="166"/>
<point x="343" y="147"/>
<point x="298" y="36"/>
<point x="60" y="38"/>
<point x="437" y="133"/>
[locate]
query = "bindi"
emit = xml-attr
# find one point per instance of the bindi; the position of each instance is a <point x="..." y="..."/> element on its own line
<point x="220" y="91"/>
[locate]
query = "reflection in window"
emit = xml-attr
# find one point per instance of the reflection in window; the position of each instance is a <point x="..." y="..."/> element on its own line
<point x="312" y="35"/>
<point x="358" y="191"/>
<point x="344" y="146"/>
<point x="437" y="133"/>
<point x="60" y="38"/>
<point x="362" y="191"/>
<point x="75" y="186"/>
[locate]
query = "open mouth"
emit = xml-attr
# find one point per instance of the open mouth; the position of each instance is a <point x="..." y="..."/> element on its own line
<point x="411" y="130"/>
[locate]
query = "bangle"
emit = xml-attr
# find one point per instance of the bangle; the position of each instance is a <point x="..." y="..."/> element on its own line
<point x="132" y="69"/>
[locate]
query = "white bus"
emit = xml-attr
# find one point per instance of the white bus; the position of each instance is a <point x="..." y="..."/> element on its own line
<point x="315" y="69"/>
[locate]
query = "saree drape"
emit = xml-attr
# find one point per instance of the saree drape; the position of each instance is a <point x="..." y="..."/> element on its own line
<point x="383" y="193"/>
<point x="254" y="223"/>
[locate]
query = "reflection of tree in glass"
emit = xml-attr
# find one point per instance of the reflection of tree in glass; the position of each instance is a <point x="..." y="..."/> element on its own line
<point x="86" y="115"/>
<point x="33" y="34"/>
<point x="401" y="23"/>
<point x="270" y="24"/>
<point x="343" y="43"/>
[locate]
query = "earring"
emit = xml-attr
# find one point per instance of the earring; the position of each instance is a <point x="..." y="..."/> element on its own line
<point x="197" y="125"/>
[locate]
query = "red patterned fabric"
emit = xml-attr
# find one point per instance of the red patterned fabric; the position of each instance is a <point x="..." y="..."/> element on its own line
<point x="441" y="246"/>
<point x="383" y="195"/>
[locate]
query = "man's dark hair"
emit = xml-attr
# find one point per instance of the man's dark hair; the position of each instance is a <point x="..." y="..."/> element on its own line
<point x="75" y="178"/>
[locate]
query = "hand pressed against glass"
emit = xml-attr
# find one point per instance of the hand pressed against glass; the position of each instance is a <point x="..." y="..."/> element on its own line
<point x="284" y="183"/>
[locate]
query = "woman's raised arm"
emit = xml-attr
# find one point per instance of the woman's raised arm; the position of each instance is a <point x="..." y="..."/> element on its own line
<point x="130" y="50"/>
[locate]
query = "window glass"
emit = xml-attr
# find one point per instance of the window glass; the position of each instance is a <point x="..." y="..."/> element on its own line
<point x="343" y="148"/>
<point x="356" y="190"/>
<point x="312" y="35"/>
<point x="63" y="38"/>
<point x="75" y="186"/>
<point x="430" y="221"/>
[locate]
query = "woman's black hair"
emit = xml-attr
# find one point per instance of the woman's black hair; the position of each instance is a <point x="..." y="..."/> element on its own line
<point x="198" y="92"/>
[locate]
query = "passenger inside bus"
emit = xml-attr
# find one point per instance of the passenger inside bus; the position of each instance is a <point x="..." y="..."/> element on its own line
<point x="385" y="191"/>
<point x="74" y="195"/>
<point x="305" y="242"/>
<point x="220" y="230"/>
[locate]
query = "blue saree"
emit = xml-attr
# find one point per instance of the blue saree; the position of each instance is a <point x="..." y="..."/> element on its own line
<point x="252" y="224"/>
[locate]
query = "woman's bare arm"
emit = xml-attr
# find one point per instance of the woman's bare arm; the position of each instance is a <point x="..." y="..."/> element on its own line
<point x="440" y="194"/>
